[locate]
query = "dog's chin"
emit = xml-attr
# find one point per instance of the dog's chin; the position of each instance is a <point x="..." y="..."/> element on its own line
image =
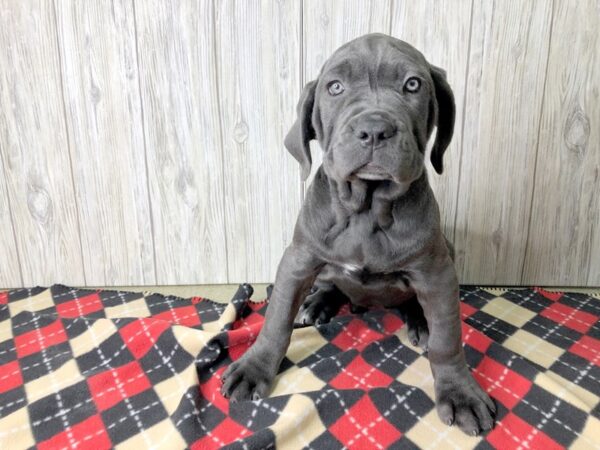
<point x="372" y="172"/>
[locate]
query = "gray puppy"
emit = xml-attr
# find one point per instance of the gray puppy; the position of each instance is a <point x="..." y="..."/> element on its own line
<point x="369" y="229"/>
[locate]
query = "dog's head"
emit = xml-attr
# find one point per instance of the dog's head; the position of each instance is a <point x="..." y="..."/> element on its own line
<point x="372" y="109"/>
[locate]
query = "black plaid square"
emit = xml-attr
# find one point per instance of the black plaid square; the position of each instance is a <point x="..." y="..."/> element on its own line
<point x="12" y="400"/>
<point x="328" y="441"/>
<point x="42" y="363"/>
<point x="323" y="353"/>
<point x="491" y="326"/>
<point x="209" y="311"/>
<point x="258" y="415"/>
<point x="114" y="298"/>
<point x="552" y="332"/>
<point x="111" y="352"/>
<point x="532" y="300"/>
<point x="263" y="440"/>
<point x="390" y="356"/>
<point x="475" y="296"/>
<point x="76" y="327"/>
<point x="195" y="418"/>
<point x="327" y="369"/>
<point x="403" y="443"/>
<point x="522" y="366"/>
<point x="62" y="294"/>
<point x="8" y="351"/>
<point x="52" y="414"/>
<point x="401" y="404"/>
<point x="550" y="414"/>
<point x="133" y="415"/>
<point x="160" y="303"/>
<point x="21" y="294"/>
<point x="579" y="371"/>
<point x="333" y="404"/>
<point x="582" y="302"/>
<point x="165" y="359"/>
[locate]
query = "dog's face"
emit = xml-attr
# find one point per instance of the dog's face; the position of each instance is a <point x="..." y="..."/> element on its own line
<point x="372" y="110"/>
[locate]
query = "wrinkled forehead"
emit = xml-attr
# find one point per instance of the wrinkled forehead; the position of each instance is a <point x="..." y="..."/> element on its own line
<point x="379" y="54"/>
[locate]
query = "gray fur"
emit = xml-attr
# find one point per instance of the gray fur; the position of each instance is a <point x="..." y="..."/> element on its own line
<point x="369" y="229"/>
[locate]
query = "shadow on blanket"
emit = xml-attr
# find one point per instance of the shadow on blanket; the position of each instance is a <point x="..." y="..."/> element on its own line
<point x="81" y="368"/>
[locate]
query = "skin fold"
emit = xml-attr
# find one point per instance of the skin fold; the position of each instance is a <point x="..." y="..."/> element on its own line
<point x="369" y="230"/>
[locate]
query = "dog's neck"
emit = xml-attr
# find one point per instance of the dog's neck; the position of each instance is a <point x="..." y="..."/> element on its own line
<point x="380" y="197"/>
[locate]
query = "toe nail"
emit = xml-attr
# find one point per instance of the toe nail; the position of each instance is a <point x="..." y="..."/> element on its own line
<point x="474" y="433"/>
<point x="449" y="422"/>
<point x="414" y="342"/>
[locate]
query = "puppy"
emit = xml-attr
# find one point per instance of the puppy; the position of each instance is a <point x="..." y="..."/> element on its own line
<point x="369" y="229"/>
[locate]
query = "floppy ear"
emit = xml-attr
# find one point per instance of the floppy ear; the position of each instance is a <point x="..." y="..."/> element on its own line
<point x="446" y="112"/>
<point x="302" y="132"/>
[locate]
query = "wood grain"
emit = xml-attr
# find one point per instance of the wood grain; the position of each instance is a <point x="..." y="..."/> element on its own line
<point x="35" y="152"/>
<point x="445" y="43"/>
<point x="181" y="121"/>
<point x="327" y="26"/>
<point x="258" y="44"/>
<point x="508" y="56"/>
<point x="10" y="264"/>
<point x="141" y="142"/>
<point x="104" y="120"/>
<point x="564" y="235"/>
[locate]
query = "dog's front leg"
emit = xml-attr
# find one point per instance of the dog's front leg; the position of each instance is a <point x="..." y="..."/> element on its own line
<point x="251" y="376"/>
<point x="459" y="399"/>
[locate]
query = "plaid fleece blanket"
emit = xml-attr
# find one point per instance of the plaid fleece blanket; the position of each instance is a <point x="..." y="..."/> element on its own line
<point x="99" y="369"/>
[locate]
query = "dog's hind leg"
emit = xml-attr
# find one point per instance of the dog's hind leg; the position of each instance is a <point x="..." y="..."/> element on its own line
<point x="412" y="314"/>
<point x="323" y="303"/>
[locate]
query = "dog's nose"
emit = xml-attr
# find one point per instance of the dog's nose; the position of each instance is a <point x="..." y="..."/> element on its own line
<point x="373" y="131"/>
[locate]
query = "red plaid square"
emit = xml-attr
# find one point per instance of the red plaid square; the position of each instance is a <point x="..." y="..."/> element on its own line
<point x="363" y="426"/>
<point x="356" y="335"/>
<point x="211" y="391"/>
<point x="184" y="315"/>
<point x="141" y="334"/>
<point x="3" y="298"/>
<point x="110" y="387"/>
<point x="587" y="347"/>
<point x="80" y="306"/>
<point x="577" y="320"/>
<point x="10" y="376"/>
<point x="475" y="338"/>
<point x="554" y="296"/>
<point x="227" y="432"/>
<point x="241" y="339"/>
<point x="42" y="338"/>
<point x="514" y="432"/>
<point x="392" y="323"/>
<point x="89" y="434"/>
<point x="360" y="375"/>
<point x="501" y="382"/>
<point x="466" y="310"/>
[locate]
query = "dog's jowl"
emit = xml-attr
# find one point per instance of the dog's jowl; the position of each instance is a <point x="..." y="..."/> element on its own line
<point x="369" y="230"/>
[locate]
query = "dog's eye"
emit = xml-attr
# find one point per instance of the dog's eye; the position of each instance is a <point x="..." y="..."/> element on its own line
<point x="335" y="88"/>
<point x="412" y="85"/>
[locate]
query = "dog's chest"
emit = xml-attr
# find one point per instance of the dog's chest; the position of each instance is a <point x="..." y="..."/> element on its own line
<point x="364" y="246"/>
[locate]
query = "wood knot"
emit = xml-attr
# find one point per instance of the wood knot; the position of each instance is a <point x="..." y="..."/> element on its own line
<point x="240" y="132"/>
<point x="577" y="131"/>
<point x="39" y="204"/>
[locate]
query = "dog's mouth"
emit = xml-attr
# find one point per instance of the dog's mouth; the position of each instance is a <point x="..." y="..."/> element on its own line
<point x="372" y="172"/>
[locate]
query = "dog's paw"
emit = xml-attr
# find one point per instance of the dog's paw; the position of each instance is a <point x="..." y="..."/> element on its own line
<point x="318" y="308"/>
<point x="462" y="402"/>
<point x="418" y="334"/>
<point x="246" y="379"/>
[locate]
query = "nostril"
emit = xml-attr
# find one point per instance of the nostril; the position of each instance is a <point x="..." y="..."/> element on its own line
<point x="388" y="133"/>
<point x="363" y="135"/>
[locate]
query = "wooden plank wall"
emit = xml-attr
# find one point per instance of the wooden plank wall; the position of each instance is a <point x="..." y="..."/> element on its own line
<point x="141" y="142"/>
